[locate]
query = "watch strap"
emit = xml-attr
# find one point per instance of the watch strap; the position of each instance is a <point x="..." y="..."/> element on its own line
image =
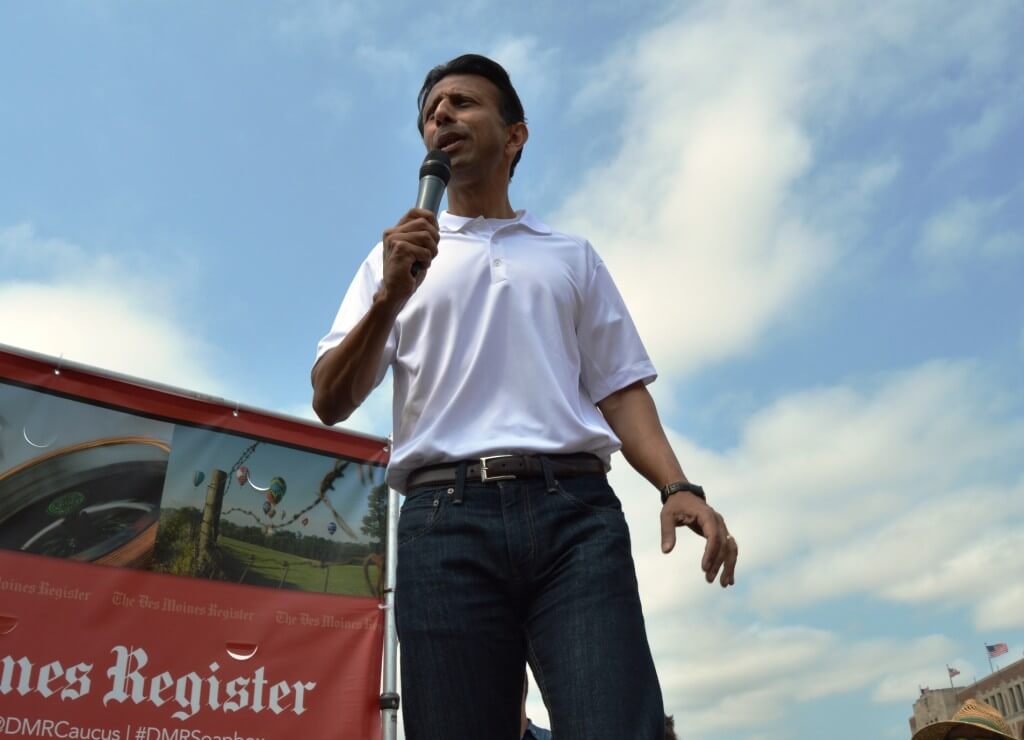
<point x="682" y="485"/>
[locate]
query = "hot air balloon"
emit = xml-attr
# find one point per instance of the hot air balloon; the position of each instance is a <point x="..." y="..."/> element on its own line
<point x="269" y="496"/>
<point x="242" y="474"/>
<point x="66" y="505"/>
<point x="332" y="528"/>
<point x="198" y="477"/>
<point x="278" y="487"/>
<point x="266" y="507"/>
<point x="305" y="521"/>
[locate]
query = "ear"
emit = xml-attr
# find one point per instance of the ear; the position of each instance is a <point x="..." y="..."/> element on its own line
<point x="516" y="135"/>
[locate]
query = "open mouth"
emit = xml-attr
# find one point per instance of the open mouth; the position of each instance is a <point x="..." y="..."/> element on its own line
<point x="448" y="141"/>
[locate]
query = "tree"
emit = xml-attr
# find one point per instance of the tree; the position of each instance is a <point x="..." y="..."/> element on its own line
<point x="375" y="521"/>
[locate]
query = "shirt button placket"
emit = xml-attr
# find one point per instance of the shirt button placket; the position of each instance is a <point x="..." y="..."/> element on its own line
<point x="498" y="267"/>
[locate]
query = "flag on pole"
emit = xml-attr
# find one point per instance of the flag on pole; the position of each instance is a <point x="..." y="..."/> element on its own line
<point x="953" y="672"/>
<point x="996" y="650"/>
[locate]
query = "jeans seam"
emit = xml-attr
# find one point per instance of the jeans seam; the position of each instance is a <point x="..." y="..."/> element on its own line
<point x="530" y="529"/>
<point x="583" y="504"/>
<point x="435" y="516"/>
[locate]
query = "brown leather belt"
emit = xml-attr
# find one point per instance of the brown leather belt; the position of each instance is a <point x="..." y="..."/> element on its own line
<point x="506" y="467"/>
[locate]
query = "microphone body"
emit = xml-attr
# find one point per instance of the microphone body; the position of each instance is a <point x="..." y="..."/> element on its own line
<point x="430" y="194"/>
<point x="435" y="172"/>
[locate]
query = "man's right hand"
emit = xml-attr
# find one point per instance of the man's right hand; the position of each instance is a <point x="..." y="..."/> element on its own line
<point x="344" y="376"/>
<point x="413" y="240"/>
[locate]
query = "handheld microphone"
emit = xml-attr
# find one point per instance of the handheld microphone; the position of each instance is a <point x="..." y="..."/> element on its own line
<point x="435" y="172"/>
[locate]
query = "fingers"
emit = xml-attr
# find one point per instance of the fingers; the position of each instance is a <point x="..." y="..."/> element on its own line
<point x="729" y="571"/>
<point x="416" y="220"/>
<point x="417" y="225"/>
<point x="668" y="530"/>
<point x="414" y="213"/>
<point x="714" y="531"/>
<point x="400" y="250"/>
<point x="409" y="248"/>
<point x="720" y="550"/>
<point x="425" y="236"/>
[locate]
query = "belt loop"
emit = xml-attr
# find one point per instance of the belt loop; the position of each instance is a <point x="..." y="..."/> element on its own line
<point x="549" y="477"/>
<point x="460" y="481"/>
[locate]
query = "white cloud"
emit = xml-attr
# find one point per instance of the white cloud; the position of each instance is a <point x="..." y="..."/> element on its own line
<point x="703" y="211"/>
<point x="964" y="230"/>
<point x="903" y="490"/>
<point x="974" y="138"/>
<point x="704" y="246"/>
<point x="96" y="309"/>
<point x="372" y="417"/>
<point x="345" y="31"/>
<point x="532" y="66"/>
<point x="850" y="495"/>
<point x="727" y="681"/>
<point x="20" y="246"/>
<point x="1004" y="606"/>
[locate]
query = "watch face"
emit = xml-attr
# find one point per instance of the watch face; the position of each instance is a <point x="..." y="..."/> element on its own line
<point x="682" y="486"/>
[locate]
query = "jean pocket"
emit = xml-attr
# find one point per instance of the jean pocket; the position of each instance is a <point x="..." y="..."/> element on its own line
<point x="589" y="493"/>
<point x="419" y="514"/>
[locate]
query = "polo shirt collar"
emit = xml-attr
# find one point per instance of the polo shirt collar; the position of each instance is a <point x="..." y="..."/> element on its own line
<point x="454" y="224"/>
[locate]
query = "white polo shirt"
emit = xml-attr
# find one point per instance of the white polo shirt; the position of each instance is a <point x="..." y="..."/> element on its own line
<point x="510" y="341"/>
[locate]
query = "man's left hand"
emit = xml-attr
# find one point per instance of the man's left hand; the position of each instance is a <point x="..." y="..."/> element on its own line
<point x="720" y="552"/>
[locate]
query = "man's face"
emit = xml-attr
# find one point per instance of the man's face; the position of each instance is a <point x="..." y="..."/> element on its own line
<point x="461" y="117"/>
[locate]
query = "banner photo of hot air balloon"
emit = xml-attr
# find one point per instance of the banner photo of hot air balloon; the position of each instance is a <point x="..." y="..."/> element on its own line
<point x="84" y="481"/>
<point x="150" y="534"/>
<point x="270" y="515"/>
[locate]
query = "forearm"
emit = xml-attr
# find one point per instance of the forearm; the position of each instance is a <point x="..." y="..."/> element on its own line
<point x="633" y="417"/>
<point x="345" y="375"/>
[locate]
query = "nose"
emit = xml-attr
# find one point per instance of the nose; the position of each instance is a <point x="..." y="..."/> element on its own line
<point x="443" y="112"/>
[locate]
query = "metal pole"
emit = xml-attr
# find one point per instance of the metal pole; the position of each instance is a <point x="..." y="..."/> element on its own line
<point x="389" y="694"/>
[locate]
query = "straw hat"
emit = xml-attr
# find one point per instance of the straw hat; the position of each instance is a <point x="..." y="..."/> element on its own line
<point x="980" y="720"/>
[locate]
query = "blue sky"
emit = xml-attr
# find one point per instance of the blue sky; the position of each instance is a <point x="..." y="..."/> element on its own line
<point x="814" y="210"/>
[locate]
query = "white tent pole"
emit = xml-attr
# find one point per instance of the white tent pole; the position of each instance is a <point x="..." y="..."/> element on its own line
<point x="389" y="695"/>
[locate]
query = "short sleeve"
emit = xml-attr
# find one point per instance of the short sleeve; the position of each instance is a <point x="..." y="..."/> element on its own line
<point x="612" y="355"/>
<point x="354" y="306"/>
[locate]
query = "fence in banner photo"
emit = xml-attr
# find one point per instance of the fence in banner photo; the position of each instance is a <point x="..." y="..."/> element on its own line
<point x="173" y="567"/>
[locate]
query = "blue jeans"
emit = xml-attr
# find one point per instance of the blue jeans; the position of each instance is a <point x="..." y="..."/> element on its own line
<point x="515" y="573"/>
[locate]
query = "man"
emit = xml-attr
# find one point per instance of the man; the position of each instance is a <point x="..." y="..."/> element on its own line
<point x="517" y="373"/>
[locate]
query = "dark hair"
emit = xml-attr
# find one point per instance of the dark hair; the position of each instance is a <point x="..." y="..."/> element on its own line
<point x="509" y="105"/>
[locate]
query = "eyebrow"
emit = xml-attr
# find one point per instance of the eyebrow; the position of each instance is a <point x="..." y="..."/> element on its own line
<point x="455" y="96"/>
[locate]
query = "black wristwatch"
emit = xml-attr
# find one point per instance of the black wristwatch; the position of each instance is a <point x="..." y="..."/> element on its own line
<point x="682" y="485"/>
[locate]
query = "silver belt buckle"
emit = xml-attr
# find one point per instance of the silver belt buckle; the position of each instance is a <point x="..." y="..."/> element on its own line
<point x="485" y="476"/>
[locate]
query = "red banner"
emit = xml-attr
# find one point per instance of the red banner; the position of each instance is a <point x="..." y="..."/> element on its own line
<point x="99" y="652"/>
<point x="174" y="568"/>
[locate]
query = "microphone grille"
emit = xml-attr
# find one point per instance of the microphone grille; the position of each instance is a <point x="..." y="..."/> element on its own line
<point x="438" y="164"/>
